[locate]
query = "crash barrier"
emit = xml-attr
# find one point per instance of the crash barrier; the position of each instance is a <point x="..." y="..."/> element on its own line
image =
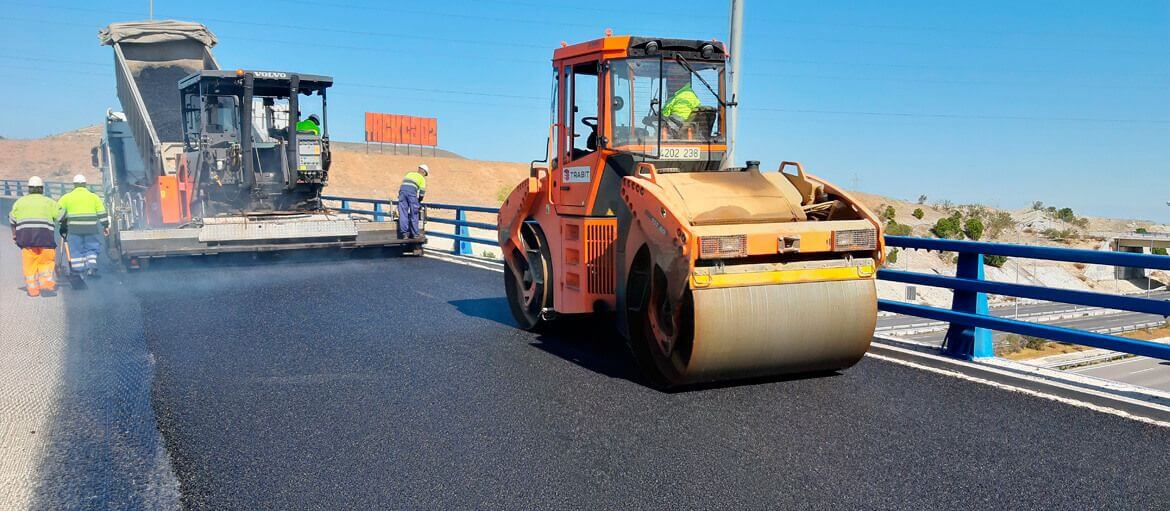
<point x="15" y="188"/>
<point x="969" y="336"/>
<point x="454" y="215"/>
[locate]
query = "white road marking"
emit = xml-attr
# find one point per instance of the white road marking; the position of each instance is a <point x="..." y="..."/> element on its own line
<point x="463" y="261"/>
<point x="1107" y="364"/>
<point x="1029" y="392"/>
<point x="1144" y="370"/>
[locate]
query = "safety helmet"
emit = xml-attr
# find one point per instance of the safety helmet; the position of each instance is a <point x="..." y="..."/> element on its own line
<point x="79" y="179"/>
<point x="35" y="182"/>
<point x="316" y="120"/>
<point x="424" y="169"/>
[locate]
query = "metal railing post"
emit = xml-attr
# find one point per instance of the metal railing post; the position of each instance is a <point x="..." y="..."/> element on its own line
<point x="462" y="247"/>
<point x="964" y="341"/>
<point x="378" y="212"/>
<point x="344" y="204"/>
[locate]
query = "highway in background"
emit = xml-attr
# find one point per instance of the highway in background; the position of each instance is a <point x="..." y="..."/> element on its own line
<point x="1141" y="371"/>
<point x="342" y="384"/>
<point x="1025" y="311"/>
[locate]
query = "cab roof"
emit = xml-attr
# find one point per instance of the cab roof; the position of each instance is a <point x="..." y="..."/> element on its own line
<point x="639" y="46"/>
<point x="264" y="83"/>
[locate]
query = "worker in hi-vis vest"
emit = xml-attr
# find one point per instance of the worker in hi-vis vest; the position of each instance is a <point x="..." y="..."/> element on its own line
<point x="683" y="101"/>
<point x="410" y="195"/>
<point x="311" y="125"/>
<point x="88" y="221"/>
<point x="35" y="219"/>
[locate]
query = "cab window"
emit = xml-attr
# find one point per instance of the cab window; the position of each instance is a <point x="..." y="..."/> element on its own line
<point x="581" y="114"/>
<point x="221" y="114"/>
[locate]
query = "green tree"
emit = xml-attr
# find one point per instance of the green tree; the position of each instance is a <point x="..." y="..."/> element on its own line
<point x="892" y="256"/>
<point x="1038" y="206"/>
<point x="921" y="200"/>
<point x="996" y="261"/>
<point x="918" y="213"/>
<point x="897" y="229"/>
<point x="973" y="228"/>
<point x="1141" y="230"/>
<point x="889" y="213"/>
<point x="1066" y="215"/>
<point x="1159" y="251"/>
<point x="949" y="227"/>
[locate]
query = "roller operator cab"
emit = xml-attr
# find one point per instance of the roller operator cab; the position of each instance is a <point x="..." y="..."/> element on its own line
<point x="249" y="143"/>
<point x="711" y="274"/>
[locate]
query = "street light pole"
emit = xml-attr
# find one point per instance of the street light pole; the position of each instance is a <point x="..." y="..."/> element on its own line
<point x="735" y="42"/>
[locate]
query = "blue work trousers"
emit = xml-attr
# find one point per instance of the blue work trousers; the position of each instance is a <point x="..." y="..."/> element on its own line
<point x="408" y="210"/>
<point x="83" y="251"/>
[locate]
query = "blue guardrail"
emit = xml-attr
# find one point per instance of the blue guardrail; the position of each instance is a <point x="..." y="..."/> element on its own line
<point x="969" y="334"/>
<point x="382" y="209"/>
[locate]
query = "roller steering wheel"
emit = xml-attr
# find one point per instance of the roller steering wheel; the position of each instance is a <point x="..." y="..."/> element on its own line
<point x="591" y="122"/>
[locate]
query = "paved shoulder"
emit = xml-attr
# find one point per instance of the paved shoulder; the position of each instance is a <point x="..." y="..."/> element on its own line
<point x="76" y="427"/>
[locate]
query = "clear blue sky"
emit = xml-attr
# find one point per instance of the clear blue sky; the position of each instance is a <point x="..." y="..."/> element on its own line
<point x="997" y="102"/>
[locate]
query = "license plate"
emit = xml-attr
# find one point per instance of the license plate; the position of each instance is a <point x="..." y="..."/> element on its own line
<point x="679" y="153"/>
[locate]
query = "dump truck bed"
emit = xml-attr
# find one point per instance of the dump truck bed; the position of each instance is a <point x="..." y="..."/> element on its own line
<point x="149" y="60"/>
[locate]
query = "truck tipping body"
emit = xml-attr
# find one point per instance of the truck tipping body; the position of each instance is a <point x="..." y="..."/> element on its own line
<point x="149" y="60"/>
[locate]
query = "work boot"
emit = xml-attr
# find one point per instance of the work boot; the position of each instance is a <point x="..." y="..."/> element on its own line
<point x="92" y="272"/>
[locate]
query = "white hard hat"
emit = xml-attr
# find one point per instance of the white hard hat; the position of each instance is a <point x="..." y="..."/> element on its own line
<point x="79" y="179"/>
<point x="35" y="182"/>
<point x="425" y="170"/>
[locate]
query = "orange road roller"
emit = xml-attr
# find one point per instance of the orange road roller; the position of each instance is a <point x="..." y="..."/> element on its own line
<point x="712" y="271"/>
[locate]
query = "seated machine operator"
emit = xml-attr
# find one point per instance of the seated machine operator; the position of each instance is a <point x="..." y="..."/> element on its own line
<point x="311" y="125"/>
<point x="683" y="101"/>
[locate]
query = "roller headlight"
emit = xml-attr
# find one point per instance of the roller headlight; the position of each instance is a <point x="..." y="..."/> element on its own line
<point x="854" y="239"/>
<point x="723" y="247"/>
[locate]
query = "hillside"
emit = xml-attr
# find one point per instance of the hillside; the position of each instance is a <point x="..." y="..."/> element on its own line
<point x="451" y="180"/>
<point x="54" y="158"/>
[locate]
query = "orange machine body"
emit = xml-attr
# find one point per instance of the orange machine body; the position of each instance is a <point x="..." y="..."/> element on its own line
<point x="168" y="199"/>
<point x="580" y="202"/>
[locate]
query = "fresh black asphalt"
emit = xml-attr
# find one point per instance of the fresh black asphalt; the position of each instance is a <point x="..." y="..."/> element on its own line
<point x="401" y="383"/>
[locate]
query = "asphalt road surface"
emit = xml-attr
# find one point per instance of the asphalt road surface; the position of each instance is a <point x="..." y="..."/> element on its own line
<point x="401" y="383"/>
<point x="1146" y="372"/>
